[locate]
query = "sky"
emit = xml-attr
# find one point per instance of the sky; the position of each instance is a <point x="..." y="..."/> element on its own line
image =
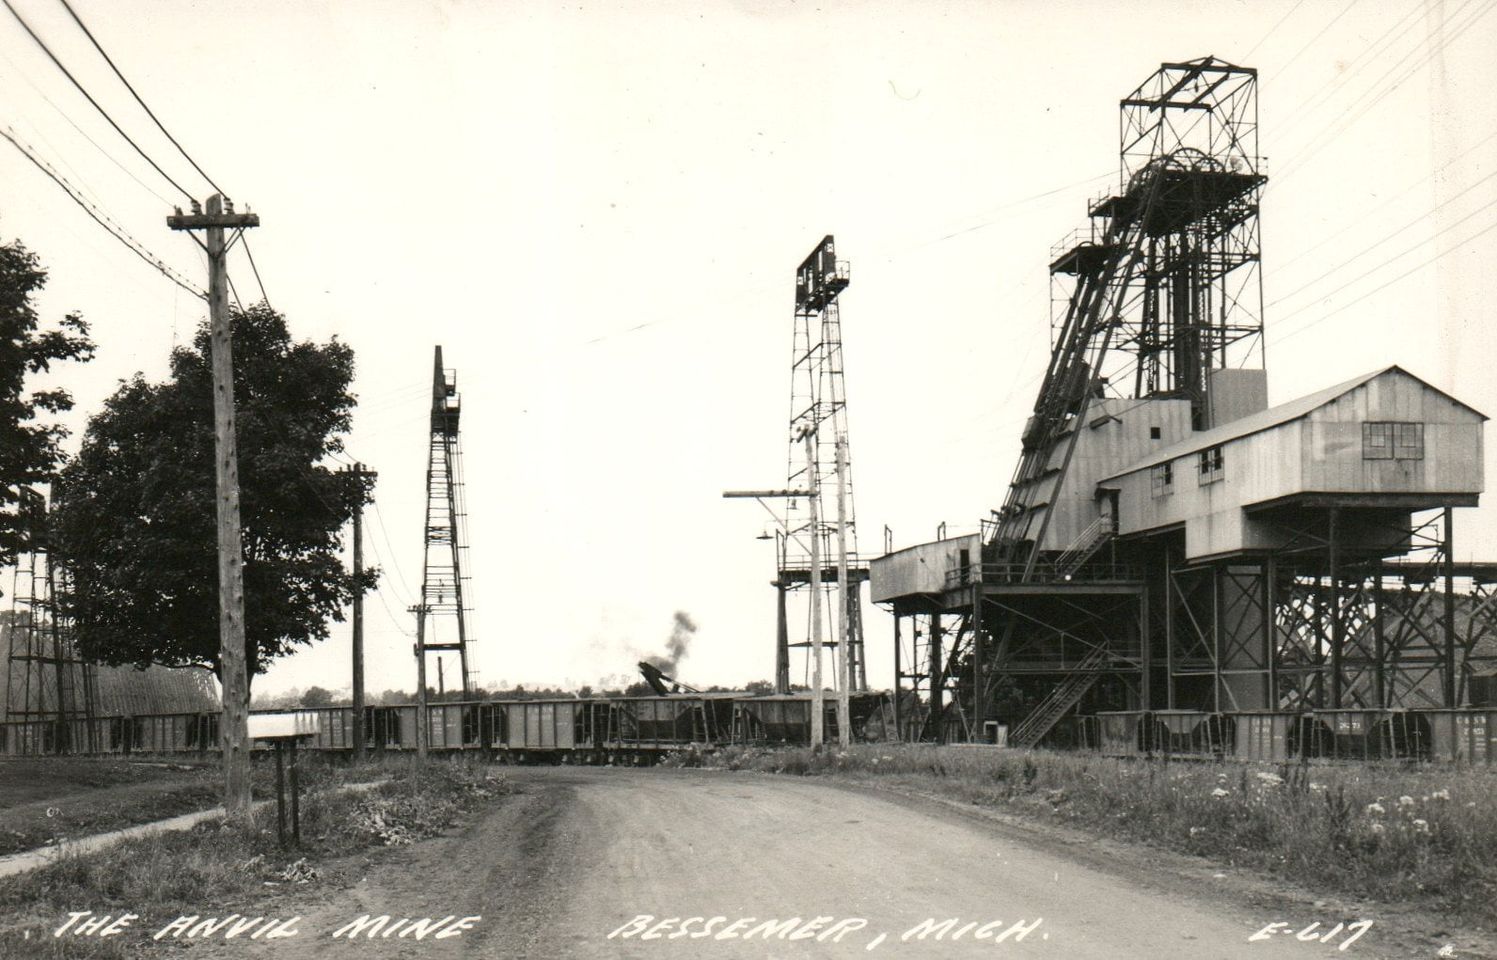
<point x="597" y="211"/>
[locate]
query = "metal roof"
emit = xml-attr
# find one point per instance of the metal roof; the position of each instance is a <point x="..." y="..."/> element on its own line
<point x="1270" y="418"/>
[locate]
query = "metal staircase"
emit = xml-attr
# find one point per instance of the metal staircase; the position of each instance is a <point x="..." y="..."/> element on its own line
<point x="1084" y="547"/>
<point x="1066" y="695"/>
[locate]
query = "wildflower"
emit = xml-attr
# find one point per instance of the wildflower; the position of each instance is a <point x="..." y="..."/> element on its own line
<point x="1421" y="826"/>
<point x="1219" y="793"/>
<point x="1194" y="831"/>
<point x="1405" y="801"/>
<point x="1375" y="810"/>
<point x="1270" y="778"/>
<point x="1317" y="787"/>
<point x="1440" y="794"/>
<point x="1377" y="828"/>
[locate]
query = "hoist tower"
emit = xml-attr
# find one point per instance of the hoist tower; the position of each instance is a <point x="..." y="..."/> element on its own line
<point x="442" y="615"/>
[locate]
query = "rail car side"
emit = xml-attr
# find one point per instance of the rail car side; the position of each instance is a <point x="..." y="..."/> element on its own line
<point x="642" y="729"/>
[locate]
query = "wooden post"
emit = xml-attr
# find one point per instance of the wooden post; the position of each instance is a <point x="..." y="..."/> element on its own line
<point x="295" y="799"/>
<point x="359" y="473"/>
<point x="280" y="792"/>
<point x="233" y="671"/>
<point x="420" y="611"/>
<point x="844" y="647"/>
<point x="818" y="698"/>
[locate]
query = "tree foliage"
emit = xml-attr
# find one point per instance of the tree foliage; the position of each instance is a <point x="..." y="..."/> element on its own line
<point x="30" y="450"/>
<point x="317" y="697"/>
<point x="136" y="511"/>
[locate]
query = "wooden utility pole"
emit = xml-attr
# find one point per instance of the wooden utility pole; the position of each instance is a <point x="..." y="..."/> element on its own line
<point x="359" y="473"/>
<point x="233" y="672"/>
<point x="818" y="697"/>
<point x="844" y="685"/>
<point x="420" y="611"/>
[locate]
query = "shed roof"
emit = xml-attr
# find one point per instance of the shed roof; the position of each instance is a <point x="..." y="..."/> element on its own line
<point x="1270" y="418"/>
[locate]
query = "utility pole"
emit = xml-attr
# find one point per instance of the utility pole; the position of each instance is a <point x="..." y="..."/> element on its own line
<point x="359" y="473"/>
<point x="844" y="648"/>
<point x="420" y="611"/>
<point x="233" y="672"/>
<point x="818" y="698"/>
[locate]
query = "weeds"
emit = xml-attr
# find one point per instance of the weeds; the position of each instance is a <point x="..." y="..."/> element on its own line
<point x="164" y="874"/>
<point x="1395" y="833"/>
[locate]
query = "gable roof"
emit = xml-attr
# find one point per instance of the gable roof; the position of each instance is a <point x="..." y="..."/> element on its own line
<point x="1272" y="417"/>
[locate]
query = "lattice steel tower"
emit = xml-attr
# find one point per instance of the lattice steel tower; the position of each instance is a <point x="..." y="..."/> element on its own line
<point x="442" y="613"/>
<point x="818" y="408"/>
<point x="47" y="684"/>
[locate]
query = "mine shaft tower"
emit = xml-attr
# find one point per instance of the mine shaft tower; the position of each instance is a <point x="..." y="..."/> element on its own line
<point x="1169" y="541"/>
<point x="442" y="615"/>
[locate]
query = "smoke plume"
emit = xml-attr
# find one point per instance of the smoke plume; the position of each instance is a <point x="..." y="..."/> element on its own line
<point x="677" y="645"/>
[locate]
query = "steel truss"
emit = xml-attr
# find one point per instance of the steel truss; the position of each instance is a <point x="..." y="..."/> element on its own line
<point x="818" y="410"/>
<point x="443" y="611"/>
<point x="1308" y="627"/>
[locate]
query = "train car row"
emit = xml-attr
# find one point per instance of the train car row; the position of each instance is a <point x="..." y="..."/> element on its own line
<point x="1453" y="735"/>
<point x="632" y="729"/>
<point x="641" y="729"/>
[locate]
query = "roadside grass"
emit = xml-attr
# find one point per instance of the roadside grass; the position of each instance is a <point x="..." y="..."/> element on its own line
<point x="1397" y="833"/>
<point x="44" y="801"/>
<point x="215" y="869"/>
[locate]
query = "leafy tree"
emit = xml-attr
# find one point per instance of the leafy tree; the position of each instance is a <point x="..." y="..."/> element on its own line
<point x="317" y="697"/>
<point x="136" y="519"/>
<point x="29" y="446"/>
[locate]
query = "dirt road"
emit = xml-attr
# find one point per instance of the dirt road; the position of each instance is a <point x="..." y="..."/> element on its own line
<point x="580" y="854"/>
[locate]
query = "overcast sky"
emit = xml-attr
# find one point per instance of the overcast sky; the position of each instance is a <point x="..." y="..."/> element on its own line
<point x="597" y="211"/>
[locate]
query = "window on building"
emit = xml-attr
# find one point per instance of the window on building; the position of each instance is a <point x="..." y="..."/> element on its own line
<point x="1392" y="440"/>
<point x="1211" y="464"/>
<point x="1162" y="479"/>
<point x="1153" y="433"/>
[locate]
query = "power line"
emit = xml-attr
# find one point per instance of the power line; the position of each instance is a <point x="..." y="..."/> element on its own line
<point x="101" y="218"/>
<point x="1247" y="57"/>
<point x="88" y="33"/>
<point x="1331" y="23"/>
<point x="1382" y="286"/>
<point x="1397" y="232"/>
<point x="81" y="132"/>
<point x="89" y="97"/>
<point x="1397" y="256"/>
<point x="258" y="282"/>
<point x="1328" y="133"/>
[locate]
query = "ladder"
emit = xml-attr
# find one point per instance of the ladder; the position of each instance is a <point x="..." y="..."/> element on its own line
<point x="1066" y="695"/>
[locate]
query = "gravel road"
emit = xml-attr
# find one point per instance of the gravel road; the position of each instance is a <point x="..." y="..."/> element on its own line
<point x="579" y="854"/>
